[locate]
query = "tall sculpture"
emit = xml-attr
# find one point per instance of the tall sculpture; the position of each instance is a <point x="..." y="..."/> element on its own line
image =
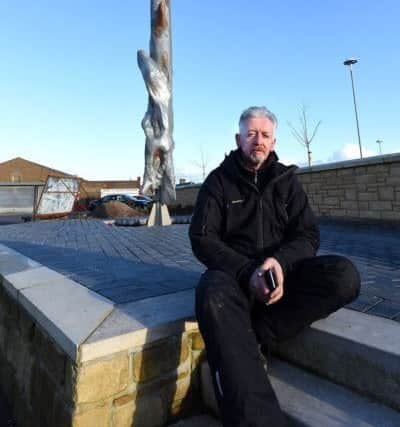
<point x="159" y="179"/>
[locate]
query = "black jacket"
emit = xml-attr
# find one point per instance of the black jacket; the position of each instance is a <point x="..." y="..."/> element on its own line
<point x="242" y="217"/>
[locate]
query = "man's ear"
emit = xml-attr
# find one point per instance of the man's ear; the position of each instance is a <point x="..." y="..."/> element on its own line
<point x="237" y="139"/>
<point x="273" y="144"/>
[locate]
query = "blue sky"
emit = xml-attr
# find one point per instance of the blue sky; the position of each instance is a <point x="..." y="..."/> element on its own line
<point x="72" y="96"/>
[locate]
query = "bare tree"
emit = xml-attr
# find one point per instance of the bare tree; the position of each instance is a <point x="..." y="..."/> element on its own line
<point x="202" y="163"/>
<point x="302" y="133"/>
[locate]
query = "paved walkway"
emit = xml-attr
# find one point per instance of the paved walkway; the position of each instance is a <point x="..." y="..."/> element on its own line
<point x="127" y="264"/>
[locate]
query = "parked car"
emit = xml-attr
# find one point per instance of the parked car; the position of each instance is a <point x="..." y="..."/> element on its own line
<point x="133" y="201"/>
<point x="142" y="201"/>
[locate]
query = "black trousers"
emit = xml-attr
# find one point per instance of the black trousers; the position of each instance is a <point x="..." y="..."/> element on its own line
<point x="233" y="324"/>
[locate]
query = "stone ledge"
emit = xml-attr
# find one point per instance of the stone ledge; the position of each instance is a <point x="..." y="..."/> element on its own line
<point x="355" y="349"/>
<point x="310" y="401"/>
<point x="141" y="322"/>
<point x="368" y="161"/>
<point x="66" y="310"/>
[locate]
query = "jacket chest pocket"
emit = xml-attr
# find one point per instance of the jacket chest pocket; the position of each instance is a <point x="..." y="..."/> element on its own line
<point x="234" y="213"/>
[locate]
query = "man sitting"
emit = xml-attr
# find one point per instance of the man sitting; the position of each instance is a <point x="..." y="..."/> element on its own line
<point x="251" y="216"/>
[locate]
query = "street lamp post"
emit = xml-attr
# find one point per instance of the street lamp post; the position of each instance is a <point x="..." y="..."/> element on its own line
<point x="379" y="142"/>
<point x="350" y="62"/>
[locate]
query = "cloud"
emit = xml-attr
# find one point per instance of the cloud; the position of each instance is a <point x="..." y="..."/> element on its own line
<point x="350" y="151"/>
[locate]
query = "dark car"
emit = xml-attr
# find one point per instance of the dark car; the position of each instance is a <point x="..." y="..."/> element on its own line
<point x="142" y="201"/>
<point x="133" y="201"/>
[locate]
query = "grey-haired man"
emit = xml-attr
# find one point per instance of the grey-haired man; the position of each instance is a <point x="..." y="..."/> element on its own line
<point x="251" y="216"/>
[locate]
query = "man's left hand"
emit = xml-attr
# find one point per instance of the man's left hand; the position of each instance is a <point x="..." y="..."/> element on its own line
<point x="273" y="264"/>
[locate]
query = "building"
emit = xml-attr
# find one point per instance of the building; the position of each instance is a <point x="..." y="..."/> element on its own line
<point x="22" y="182"/>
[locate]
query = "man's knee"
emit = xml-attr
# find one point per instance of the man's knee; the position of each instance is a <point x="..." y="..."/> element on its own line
<point x="345" y="279"/>
<point x="212" y="292"/>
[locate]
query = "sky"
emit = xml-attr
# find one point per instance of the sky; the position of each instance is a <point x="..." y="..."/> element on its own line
<point x="72" y="96"/>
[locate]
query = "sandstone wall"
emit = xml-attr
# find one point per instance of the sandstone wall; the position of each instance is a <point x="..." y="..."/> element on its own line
<point x="366" y="189"/>
<point x="142" y="387"/>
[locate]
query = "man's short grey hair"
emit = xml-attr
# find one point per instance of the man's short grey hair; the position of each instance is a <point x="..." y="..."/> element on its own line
<point x="255" y="112"/>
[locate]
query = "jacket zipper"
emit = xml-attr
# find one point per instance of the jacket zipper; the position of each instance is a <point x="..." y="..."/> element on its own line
<point x="260" y="215"/>
<point x="261" y="222"/>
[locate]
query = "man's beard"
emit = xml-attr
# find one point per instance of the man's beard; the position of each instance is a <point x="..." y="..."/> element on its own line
<point x="255" y="159"/>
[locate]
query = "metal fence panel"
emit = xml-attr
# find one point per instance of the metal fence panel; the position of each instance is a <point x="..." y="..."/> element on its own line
<point x="17" y="199"/>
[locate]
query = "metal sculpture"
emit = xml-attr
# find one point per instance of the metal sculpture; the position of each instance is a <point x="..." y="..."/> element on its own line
<point x="159" y="179"/>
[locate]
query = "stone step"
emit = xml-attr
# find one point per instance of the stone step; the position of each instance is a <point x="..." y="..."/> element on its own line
<point x="309" y="401"/>
<point x="357" y="350"/>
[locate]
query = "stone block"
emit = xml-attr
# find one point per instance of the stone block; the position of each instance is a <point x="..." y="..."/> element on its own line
<point x="337" y="212"/>
<point x="367" y="196"/>
<point x="331" y="181"/>
<point x="100" y="379"/>
<point x="182" y="388"/>
<point x="363" y="206"/>
<point x="336" y="192"/>
<point x="144" y="411"/>
<point x="386" y="193"/>
<point x="349" y="204"/>
<point x="346" y="180"/>
<point x="392" y="216"/>
<point x="304" y="178"/>
<point x="167" y="380"/>
<point x="345" y="172"/>
<point x="380" y="205"/>
<point x="180" y="399"/>
<point x="370" y="214"/>
<point x="395" y="170"/>
<point x="8" y="381"/>
<point x="161" y="358"/>
<point x="314" y="187"/>
<point x="378" y="169"/>
<point x="122" y="415"/>
<point x="50" y="355"/>
<point x="331" y="201"/>
<point x="329" y="174"/>
<point x="197" y="341"/>
<point x="361" y="170"/>
<point x="198" y="357"/>
<point x="94" y="417"/>
<point x="393" y="180"/>
<point x="43" y="392"/>
<point x="350" y="194"/>
<point x="365" y="179"/>
<point x="317" y="198"/>
<point x="26" y="325"/>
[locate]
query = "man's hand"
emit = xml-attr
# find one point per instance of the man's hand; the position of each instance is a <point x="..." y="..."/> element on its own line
<point x="259" y="287"/>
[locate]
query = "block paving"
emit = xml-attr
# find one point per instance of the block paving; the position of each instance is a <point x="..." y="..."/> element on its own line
<point x="128" y="264"/>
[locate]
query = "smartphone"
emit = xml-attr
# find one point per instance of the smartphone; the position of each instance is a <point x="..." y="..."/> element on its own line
<point x="270" y="280"/>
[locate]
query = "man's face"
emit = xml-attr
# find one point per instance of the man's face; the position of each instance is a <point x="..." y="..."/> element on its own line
<point x="256" y="140"/>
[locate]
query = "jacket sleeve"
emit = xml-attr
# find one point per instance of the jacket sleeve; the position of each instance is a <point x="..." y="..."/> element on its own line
<point x="302" y="236"/>
<point x="206" y="231"/>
